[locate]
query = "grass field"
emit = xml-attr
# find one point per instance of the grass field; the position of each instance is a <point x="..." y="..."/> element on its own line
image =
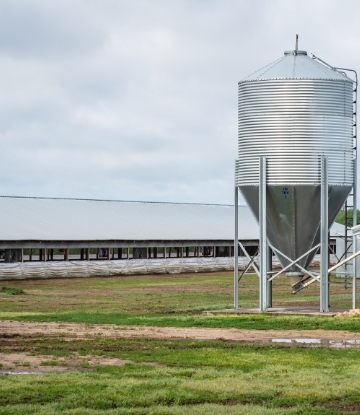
<point x="171" y="376"/>
<point x="159" y="294"/>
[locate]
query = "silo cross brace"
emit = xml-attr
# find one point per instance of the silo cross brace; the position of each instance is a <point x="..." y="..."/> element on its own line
<point x="250" y="263"/>
<point x="294" y="262"/>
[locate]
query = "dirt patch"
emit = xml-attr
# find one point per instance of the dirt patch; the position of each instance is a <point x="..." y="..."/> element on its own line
<point x="350" y="313"/>
<point x="15" y="335"/>
<point x="10" y="329"/>
<point x="22" y="362"/>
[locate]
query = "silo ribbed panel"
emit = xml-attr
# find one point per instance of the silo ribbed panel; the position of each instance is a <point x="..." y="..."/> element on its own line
<point x="293" y="122"/>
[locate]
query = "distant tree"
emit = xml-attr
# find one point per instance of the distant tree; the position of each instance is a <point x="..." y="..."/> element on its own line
<point x="340" y="218"/>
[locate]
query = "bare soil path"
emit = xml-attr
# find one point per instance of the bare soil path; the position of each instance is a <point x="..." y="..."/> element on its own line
<point x="12" y="362"/>
<point x="78" y="330"/>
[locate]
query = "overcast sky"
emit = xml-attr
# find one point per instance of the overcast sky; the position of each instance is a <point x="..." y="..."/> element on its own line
<point x="137" y="100"/>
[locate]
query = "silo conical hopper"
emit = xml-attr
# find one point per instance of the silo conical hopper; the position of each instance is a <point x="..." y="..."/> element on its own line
<point x="293" y="111"/>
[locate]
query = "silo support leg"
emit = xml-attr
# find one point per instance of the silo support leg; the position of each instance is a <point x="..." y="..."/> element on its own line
<point x="269" y="282"/>
<point x="354" y="275"/>
<point x="263" y="239"/>
<point x="355" y="247"/>
<point x="324" y="241"/>
<point x="236" y="251"/>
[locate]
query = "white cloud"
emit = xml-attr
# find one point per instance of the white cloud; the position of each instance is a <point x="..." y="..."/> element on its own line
<point x="138" y="100"/>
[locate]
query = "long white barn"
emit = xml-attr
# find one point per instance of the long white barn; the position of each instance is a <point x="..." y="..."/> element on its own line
<point x="44" y="221"/>
<point x="143" y="227"/>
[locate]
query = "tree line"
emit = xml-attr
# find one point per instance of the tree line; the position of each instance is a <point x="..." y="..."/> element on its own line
<point x="340" y="218"/>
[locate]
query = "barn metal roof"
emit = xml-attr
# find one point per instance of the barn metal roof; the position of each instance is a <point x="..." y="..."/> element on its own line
<point x="42" y="219"/>
<point x="75" y="219"/>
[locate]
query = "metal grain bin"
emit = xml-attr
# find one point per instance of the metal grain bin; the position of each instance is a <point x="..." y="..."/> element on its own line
<point x="294" y="111"/>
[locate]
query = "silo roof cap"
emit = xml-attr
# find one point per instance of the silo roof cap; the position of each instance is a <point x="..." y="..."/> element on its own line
<point x="295" y="52"/>
<point x="296" y="64"/>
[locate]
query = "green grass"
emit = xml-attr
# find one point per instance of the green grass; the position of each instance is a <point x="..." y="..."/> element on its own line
<point x="12" y="290"/>
<point x="163" y="300"/>
<point x="185" y="377"/>
<point x="154" y="294"/>
<point x="196" y="377"/>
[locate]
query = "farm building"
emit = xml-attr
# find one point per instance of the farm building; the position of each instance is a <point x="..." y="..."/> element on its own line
<point x="44" y="229"/>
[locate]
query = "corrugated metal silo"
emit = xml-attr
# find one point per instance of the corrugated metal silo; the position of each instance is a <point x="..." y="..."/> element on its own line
<point x="294" y="111"/>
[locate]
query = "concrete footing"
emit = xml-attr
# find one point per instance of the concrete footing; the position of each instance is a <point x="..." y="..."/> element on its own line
<point x="280" y="311"/>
